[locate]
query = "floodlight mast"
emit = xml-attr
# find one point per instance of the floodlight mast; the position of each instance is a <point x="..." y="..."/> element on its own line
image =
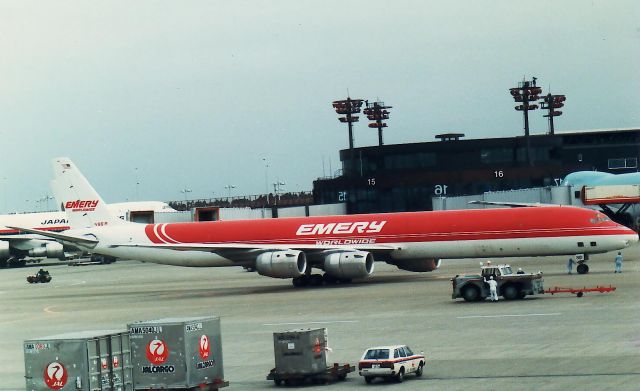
<point x="377" y="112"/>
<point x="348" y="107"/>
<point x="550" y="103"/>
<point x="526" y="92"/>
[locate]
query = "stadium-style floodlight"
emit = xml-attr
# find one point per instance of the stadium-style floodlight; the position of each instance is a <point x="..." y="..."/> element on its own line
<point x="229" y="188"/>
<point x="550" y="103"/>
<point x="377" y="112"/>
<point x="525" y="93"/>
<point x="348" y="107"/>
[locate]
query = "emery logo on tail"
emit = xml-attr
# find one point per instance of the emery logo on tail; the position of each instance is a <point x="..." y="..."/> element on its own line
<point x="81" y="205"/>
<point x="341" y="228"/>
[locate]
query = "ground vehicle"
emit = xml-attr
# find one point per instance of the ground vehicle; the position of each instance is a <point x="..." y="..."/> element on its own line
<point x="510" y="285"/>
<point x="42" y="276"/>
<point x="393" y="361"/>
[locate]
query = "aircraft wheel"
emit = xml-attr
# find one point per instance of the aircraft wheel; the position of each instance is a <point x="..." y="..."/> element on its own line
<point x="582" y="268"/>
<point x="299" y="282"/>
<point x="316" y="280"/>
<point x="329" y="279"/>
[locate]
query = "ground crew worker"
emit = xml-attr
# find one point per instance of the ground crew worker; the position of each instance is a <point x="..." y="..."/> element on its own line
<point x="520" y="271"/>
<point x="493" y="288"/>
<point x="618" y="262"/>
<point x="570" y="265"/>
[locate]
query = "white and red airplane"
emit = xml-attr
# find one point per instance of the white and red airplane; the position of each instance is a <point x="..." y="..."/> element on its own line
<point x="344" y="247"/>
<point x="15" y="247"/>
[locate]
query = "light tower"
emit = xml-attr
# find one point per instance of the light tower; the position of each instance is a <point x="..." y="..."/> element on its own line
<point x="377" y="112"/>
<point x="525" y="93"/>
<point x="550" y="103"/>
<point x="348" y="107"/>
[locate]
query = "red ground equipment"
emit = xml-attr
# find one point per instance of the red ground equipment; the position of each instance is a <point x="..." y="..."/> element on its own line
<point x="580" y="291"/>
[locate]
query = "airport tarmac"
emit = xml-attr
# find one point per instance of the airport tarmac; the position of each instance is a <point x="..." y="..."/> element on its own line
<point x="544" y="343"/>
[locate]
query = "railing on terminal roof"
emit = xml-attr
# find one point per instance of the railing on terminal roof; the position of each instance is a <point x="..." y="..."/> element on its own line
<point x="252" y="201"/>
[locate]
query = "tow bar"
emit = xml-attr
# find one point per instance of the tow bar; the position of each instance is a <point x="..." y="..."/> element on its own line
<point x="580" y="291"/>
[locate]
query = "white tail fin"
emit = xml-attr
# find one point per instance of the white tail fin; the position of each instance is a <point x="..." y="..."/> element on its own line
<point x="75" y="195"/>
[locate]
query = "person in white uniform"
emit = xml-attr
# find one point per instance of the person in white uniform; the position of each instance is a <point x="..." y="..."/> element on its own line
<point x="493" y="288"/>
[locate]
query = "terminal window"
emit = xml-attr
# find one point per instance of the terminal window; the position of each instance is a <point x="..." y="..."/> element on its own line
<point x="622" y="163"/>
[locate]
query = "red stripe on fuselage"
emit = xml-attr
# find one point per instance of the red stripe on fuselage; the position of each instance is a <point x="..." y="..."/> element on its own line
<point x="479" y="224"/>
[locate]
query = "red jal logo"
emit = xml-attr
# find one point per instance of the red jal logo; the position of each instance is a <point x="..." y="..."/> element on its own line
<point x="55" y="376"/>
<point x="205" y="348"/>
<point x="157" y="352"/>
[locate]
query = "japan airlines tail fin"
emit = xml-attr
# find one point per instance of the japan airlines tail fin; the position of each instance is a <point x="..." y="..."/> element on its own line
<point x="84" y="207"/>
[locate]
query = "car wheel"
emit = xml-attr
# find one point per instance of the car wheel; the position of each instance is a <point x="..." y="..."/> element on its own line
<point x="419" y="370"/>
<point x="368" y="379"/>
<point x="400" y="375"/>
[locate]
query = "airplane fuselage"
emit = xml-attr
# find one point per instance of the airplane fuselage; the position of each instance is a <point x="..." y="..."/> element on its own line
<point x="478" y="233"/>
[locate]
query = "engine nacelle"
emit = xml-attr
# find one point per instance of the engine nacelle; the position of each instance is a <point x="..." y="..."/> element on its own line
<point x="4" y="250"/>
<point x="49" y="250"/>
<point x="418" y="265"/>
<point x="282" y="264"/>
<point x="349" y="264"/>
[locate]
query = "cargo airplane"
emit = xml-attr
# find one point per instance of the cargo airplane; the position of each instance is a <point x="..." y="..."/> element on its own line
<point x="344" y="247"/>
<point x="15" y="247"/>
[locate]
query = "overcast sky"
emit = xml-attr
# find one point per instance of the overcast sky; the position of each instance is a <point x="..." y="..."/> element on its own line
<point x="195" y="94"/>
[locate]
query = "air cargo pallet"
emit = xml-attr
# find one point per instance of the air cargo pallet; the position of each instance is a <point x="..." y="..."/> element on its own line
<point x="333" y="373"/>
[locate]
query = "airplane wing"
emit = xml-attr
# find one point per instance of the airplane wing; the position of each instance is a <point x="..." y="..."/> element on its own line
<point x="511" y="204"/>
<point x="80" y="240"/>
<point x="21" y="238"/>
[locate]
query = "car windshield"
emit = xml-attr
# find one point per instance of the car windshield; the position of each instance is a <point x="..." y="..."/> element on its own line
<point x="507" y="270"/>
<point x="377" y="354"/>
<point x="408" y="351"/>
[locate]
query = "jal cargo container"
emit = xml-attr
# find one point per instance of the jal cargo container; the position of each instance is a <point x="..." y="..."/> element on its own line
<point x="300" y="351"/>
<point x="88" y="360"/>
<point x="177" y="353"/>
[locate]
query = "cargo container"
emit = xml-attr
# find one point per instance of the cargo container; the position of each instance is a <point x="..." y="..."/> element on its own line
<point x="177" y="354"/>
<point x="300" y="351"/>
<point x="300" y="356"/>
<point x="88" y="360"/>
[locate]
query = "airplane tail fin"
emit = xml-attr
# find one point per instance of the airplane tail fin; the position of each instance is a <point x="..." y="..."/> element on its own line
<point x="83" y="205"/>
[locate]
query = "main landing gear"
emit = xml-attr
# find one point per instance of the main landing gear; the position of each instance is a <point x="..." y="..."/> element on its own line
<point x="318" y="280"/>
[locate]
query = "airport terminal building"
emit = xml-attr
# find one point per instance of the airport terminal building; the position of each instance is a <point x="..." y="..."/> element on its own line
<point x="405" y="177"/>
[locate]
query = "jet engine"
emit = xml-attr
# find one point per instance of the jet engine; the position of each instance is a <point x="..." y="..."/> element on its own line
<point x="282" y="264"/>
<point x="349" y="264"/>
<point x="49" y="250"/>
<point x="418" y="265"/>
<point x="4" y="250"/>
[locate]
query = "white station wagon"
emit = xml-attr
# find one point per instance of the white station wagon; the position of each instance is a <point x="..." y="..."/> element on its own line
<point x="394" y="361"/>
